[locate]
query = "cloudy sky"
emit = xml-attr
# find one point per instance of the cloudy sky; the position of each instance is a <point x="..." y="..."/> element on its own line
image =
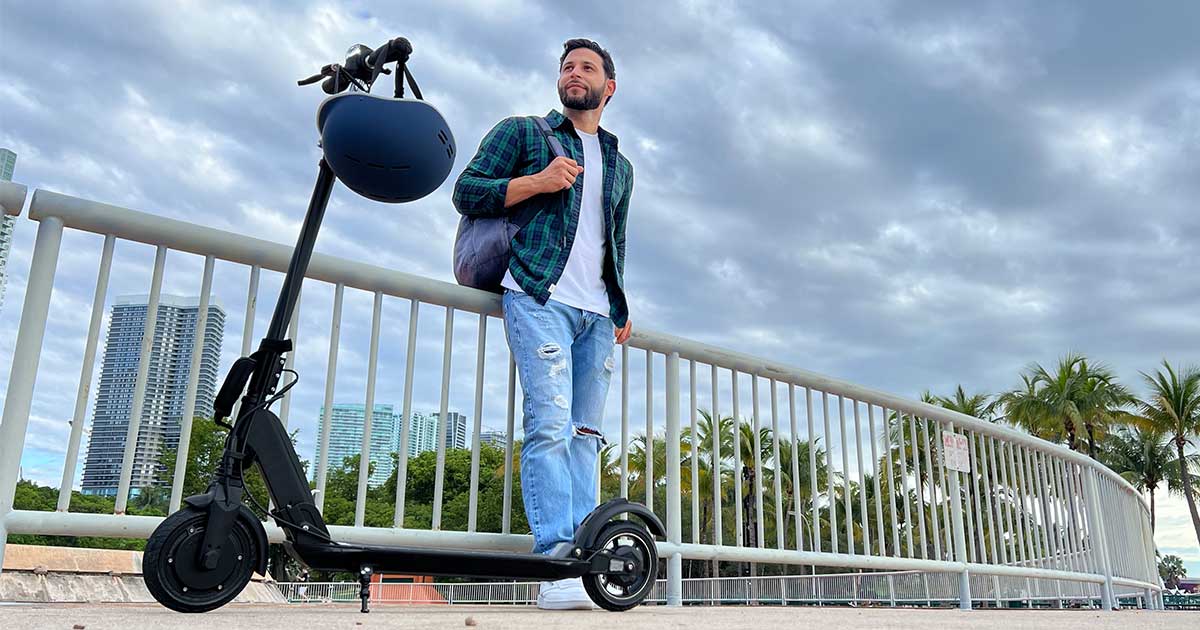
<point x="908" y="196"/>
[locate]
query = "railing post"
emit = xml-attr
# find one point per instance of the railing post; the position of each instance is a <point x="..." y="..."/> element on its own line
<point x="85" y="377"/>
<point x="125" y="481"/>
<point x="26" y="354"/>
<point x="674" y="512"/>
<point x="1098" y="539"/>
<point x="1147" y="551"/>
<point x="960" y="541"/>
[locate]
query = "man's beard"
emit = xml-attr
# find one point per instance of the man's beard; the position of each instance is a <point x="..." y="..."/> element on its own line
<point x="589" y="101"/>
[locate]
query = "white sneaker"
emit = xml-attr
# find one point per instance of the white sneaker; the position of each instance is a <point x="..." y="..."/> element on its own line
<point x="565" y="594"/>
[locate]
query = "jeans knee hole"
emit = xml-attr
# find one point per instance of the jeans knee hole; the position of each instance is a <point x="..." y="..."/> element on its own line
<point x="586" y="431"/>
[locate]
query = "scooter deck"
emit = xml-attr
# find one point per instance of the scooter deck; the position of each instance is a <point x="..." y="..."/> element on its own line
<point x="440" y="562"/>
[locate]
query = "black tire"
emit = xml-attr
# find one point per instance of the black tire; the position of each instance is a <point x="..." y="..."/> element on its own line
<point x="171" y="569"/>
<point x="633" y="542"/>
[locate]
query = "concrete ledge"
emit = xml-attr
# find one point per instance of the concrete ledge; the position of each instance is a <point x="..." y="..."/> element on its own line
<point x="72" y="559"/>
<point x="34" y="573"/>
<point x="100" y="588"/>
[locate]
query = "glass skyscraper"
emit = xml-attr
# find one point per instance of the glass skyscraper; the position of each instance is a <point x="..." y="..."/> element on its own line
<point x="456" y="430"/>
<point x="8" y="162"/>
<point x="423" y="432"/>
<point x="346" y="434"/>
<point x="170" y="360"/>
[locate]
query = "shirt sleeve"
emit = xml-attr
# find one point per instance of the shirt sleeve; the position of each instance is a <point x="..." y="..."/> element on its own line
<point x="623" y="219"/>
<point x="483" y="184"/>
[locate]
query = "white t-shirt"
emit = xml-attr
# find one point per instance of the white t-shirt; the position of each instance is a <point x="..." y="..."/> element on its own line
<point x="582" y="283"/>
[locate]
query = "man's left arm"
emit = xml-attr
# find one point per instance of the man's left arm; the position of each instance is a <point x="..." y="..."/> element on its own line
<point x="622" y="217"/>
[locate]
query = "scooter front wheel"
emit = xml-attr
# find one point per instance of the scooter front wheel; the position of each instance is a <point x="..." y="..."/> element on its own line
<point x="621" y="591"/>
<point x="172" y="570"/>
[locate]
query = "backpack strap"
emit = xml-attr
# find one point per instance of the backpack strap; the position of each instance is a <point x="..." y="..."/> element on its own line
<point x="530" y="210"/>
<point x="555" y="146"/>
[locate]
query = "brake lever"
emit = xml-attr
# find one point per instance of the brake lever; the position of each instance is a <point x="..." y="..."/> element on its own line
<point x="325" y="71"/>
<point x="381" y="57"/>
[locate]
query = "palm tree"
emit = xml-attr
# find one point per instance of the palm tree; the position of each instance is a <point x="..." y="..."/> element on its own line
<point x="1074" y="399"/>
<point x="1143" y="457"/>
<point x="1171" y="570"/>
<point x="1103" y="399"/>
<point x="1174" y="409"/>
<point x="637" y="467"/>
<point x="979" y="406"/>
<point x="753" y="462"/>
<point x="799" y="501"/>
<point x="700" y="447"/>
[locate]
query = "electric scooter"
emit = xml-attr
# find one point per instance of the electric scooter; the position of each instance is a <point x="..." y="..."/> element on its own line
<point x="199" y="558"/>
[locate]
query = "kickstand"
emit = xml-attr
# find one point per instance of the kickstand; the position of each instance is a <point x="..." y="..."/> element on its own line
<point x="364" y="579"/>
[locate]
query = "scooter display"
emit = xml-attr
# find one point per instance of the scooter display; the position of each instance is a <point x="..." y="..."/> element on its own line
<point x="391" y="150"/>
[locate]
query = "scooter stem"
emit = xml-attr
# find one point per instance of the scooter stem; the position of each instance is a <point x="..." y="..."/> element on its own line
<point x="270" y="367"/>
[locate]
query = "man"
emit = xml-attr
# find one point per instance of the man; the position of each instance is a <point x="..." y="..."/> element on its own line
<point x="564" y="305"/>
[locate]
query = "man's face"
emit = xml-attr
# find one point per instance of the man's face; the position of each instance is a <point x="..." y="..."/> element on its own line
<point x="581" y="80"/>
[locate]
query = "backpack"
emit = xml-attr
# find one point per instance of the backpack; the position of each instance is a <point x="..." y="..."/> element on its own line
<point x="483" y="245"/>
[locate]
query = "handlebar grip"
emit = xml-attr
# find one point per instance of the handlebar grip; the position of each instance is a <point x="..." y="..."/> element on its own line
<point x="397" y="49"/>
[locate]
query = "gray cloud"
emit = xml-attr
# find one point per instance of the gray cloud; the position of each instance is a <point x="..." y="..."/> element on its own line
<point x="904" y="195"/>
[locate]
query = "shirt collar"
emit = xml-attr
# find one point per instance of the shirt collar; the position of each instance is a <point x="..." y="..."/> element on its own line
<point x="557" y="121"/>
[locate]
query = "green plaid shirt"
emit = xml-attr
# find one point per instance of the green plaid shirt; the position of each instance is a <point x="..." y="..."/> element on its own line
<point x="515" y="148"/>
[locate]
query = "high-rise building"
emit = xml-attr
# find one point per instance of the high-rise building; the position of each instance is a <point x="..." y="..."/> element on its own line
<point x="492" y="437"/>
<point x="170" y="359"/>
<point x="8" y="162"/>
<point x="456" y="430"/>
<point x="346" y="435"/>
<point x="422" y="434"/>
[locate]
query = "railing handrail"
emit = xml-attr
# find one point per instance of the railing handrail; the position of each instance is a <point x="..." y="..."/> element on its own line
<point x="12" y="198"/>
<point x="1052" y="513"/>
<point x="105" y="219"/>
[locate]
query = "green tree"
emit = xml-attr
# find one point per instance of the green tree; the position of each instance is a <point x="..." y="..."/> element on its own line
<point x="1171" y="570"/>
<point x="31" y="496"/>
<point x="1173" y="408"/>
<point x="753" y="461"/>
<point x="981" y="406"/>
<point x="1144" y="457"/>
<point x="1076" y="398"/>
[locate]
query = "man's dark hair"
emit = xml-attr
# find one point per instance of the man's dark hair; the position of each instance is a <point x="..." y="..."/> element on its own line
<point x="610" y="71"/>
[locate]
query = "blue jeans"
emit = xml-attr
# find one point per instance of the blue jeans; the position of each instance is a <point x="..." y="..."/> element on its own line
<point x="564" y="357"/>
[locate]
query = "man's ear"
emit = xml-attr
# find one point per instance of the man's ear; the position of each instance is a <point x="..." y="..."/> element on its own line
<point x="610" y="87"/>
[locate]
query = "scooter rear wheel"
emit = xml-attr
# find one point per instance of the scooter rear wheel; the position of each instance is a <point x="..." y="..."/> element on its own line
<point x="171" y="566"/>
<point x="633" y="543"/>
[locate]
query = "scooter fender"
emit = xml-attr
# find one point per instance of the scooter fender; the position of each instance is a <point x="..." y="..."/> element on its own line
<point x="589" y="529"/>
<point x="202" y="501"/>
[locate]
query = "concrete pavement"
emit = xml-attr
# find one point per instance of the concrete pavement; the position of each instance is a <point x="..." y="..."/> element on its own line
<point x="345" y="617"/>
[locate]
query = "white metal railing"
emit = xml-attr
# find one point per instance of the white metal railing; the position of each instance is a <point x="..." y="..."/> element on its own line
<point x="1028" y="511"/>
<point x="876" y="588"/>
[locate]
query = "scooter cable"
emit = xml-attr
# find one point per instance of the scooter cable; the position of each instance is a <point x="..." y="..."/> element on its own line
<point x="249" y="495"/>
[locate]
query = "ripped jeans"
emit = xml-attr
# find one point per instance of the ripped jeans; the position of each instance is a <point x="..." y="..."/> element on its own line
<point x="564" y="357"/>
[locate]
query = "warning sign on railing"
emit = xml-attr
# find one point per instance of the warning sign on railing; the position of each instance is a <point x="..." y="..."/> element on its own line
<point x="954" y="452"/>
